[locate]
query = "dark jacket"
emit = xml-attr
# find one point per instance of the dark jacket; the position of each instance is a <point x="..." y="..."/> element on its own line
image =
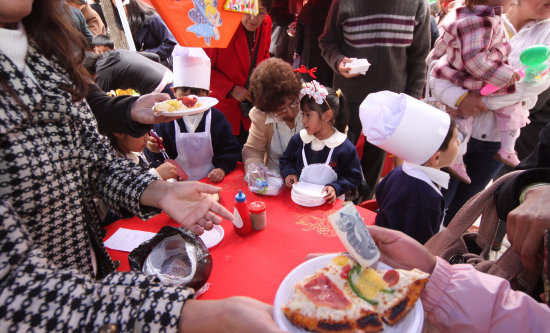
<point x="155" y="37"/>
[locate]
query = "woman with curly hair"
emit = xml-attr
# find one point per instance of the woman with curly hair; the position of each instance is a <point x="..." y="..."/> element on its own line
<point x="275" y="92"/>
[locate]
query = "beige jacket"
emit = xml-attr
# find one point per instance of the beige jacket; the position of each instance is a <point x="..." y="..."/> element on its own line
<point x="256" y="148"/>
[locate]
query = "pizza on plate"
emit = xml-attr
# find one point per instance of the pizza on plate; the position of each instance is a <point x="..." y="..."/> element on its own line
<point x="179" y="104"/>
<point x="344" y="297"/>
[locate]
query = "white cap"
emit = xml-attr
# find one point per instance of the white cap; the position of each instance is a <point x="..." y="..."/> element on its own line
<point x="403" y="126"/>
<point x="191" y="67"/>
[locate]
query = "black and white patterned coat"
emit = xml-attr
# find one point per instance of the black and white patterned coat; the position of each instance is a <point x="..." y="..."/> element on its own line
<point x="52" y="163"/>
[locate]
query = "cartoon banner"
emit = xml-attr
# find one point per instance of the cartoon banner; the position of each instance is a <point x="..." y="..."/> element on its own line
<point x="199" y="23"/>
<point x="242" y="6"/>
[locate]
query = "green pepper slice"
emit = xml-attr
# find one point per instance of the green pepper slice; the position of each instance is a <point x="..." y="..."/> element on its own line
<point x="355" y="270"/>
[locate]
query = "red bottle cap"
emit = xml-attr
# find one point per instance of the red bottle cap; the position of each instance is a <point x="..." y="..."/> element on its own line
<point x="257" y="207"/>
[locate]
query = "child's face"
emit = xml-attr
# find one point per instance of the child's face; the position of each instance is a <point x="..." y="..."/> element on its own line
<point x="130" y="144"/>
<point x="101" y="49"/>
<point x="447" y="157"/>
<point x="181" y="92"/>
<point x="312" y="121"/>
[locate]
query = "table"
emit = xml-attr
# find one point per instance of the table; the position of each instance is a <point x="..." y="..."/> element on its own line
<point x="254" y="265"/>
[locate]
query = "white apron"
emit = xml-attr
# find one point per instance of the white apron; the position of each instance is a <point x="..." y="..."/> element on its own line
<point x="318" y="173"/>
<point x="195" y="150"/>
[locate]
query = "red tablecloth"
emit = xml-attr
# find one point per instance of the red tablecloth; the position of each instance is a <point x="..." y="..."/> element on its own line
<point x="255" y="265"/>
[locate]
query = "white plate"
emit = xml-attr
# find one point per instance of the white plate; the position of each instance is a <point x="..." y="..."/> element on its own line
<point x="213" y="236"/>
<point x="206" y="103"/>
<point x="411" y="323"/>
<point x="299" y="200"/>
<point x="309" y="190"/>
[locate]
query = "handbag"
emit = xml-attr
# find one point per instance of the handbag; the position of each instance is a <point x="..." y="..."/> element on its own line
<point x="456" y="245"/>
<point x="245" y="105"/>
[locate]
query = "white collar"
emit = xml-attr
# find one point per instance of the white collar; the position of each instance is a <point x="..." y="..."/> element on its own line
<point x="427" y="175"/>
<point x="336" y="139"/>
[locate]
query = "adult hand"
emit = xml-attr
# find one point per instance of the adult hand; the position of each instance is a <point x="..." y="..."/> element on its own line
<point x="235" y="314"/>
<point x="240" y="94"/>
<point x="344" y="70"/>
<point x="526" y="225"/>
<point x="471" y="106"/>
<point x="186" y="203"/>
<point x="142" y="109"/>
<point x="401" y="251"/>
<point x="290" y="179"/>
<point x="330" y="195"/>
<point x="167" y="171"/>
<point x="216" y="175"/>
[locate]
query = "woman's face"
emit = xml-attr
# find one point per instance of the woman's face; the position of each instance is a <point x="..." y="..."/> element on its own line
<point x="533" y="9"/>
<point x="288" y="110"/>
<point x="252" y="22"/>
<point x="14" y="11"/>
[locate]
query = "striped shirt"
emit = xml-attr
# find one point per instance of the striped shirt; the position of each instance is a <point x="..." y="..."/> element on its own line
<point x="379" y="30"/>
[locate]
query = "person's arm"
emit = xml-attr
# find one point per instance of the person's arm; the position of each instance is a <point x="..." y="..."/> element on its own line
<point x="459" y="298"/>
<point x="418" y="51"/>
<point x="330" y="39"/>
<point x="158" y="28"/>
<point x="219" y="82"/>
<point x="227" y="150"/>
<point x="70" y="301"/>
<point x="349" y="173"/>
<point x="256" y="145"/>
<point x="464" y="102"/>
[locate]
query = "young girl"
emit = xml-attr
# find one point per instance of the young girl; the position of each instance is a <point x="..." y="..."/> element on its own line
<point x="320" y="154"/>
<point x="472" y="52"/>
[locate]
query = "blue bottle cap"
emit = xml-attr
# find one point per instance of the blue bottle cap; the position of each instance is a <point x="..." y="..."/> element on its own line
<point x="240" y="197"/>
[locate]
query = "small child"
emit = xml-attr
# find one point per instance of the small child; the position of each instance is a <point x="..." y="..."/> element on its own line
<point x="409" y="197"/>
<point x="131" y="148"/>
<point x="102" y="44"/>
<point x="320" y="154"/>
<point x="472" y="52"/>
<point x="202" y="144"/>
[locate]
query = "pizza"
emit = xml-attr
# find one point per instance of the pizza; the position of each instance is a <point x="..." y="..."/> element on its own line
<point x="178" y="104"/>
<point x="344" y="297"/>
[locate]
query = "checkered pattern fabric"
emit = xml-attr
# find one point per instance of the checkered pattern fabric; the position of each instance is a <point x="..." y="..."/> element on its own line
<point x="52" y="163"/>
<point x="473" y="50"/>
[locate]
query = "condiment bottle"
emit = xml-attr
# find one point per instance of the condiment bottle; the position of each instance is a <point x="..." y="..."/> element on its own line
<point x="241" y="215"/>
<point x="257" y="214"/>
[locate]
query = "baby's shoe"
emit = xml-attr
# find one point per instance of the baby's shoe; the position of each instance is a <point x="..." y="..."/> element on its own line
<point x="508" y="158"/>
<point x="458" y="170"/>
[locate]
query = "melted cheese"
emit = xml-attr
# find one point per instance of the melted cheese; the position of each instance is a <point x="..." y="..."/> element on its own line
<point x="370" y="283"/>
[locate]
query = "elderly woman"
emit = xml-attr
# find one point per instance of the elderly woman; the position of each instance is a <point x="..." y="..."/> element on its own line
<point x="527" y="23"/>
<point x="275" y="92"/>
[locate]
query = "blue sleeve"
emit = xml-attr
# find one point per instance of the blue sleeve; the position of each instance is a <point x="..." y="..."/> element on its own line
<point x="167" y="132"/>
<point x="348" y="168"/>
<point x="162" y="33"/>
<point x="288" y="162"/>
<point x="227" y="150"/>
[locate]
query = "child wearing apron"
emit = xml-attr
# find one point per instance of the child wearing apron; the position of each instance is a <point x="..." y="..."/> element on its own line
<point x="320" y="154"/>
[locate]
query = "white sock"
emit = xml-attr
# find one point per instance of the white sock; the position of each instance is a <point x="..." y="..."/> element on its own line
<point x="508" y="140"/>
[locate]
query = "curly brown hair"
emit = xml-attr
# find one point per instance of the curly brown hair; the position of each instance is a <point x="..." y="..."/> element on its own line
<point x="271" y="82"/>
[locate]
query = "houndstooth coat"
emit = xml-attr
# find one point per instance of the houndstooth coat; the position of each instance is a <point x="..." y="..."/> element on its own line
<point x="52" y="163"/>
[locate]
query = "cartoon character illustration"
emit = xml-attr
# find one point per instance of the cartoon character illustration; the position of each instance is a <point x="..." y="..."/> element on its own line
<point x="207" y="19"/>
<point x="357" y="236"/>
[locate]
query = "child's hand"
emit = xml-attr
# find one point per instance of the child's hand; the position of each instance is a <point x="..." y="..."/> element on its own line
<point x="330" y="196"/>
<point x="153" y="145"/>
<point x="290" y="179"/>
<point x="216" y="175"/>
<point x="516" y="77"/>
<point x="167" y="170"/>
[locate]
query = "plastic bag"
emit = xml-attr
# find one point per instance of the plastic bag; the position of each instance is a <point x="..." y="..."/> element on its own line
<point x="174" y="255"/>
<point x="264" y="181"/>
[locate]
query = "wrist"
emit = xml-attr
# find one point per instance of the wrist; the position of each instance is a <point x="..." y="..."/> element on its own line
<point x="153" y="192"/>
<point x="461" y="98"/>
<point x="528" y="190"/>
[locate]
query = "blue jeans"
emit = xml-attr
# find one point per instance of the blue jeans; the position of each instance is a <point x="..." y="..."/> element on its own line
<point x="481" y="168"/>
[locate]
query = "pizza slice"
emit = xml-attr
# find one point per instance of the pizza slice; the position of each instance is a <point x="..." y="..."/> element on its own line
<point x="401" y="293"/>
<point x="324" y="302"/>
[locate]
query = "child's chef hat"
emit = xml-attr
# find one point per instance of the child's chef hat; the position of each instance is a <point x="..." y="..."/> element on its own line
<point x="403" y="126"/>
<point x="191" y="67"/>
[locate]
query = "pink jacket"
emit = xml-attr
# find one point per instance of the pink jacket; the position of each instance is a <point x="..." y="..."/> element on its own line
<point x="459" y="298"/>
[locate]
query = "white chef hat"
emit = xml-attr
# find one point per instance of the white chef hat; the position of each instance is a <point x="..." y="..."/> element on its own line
<point x="403" y="126"/>
<point x="191" y="67"/>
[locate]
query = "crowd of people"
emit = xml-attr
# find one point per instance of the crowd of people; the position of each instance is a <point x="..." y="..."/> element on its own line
<point x="74" y="158"/>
